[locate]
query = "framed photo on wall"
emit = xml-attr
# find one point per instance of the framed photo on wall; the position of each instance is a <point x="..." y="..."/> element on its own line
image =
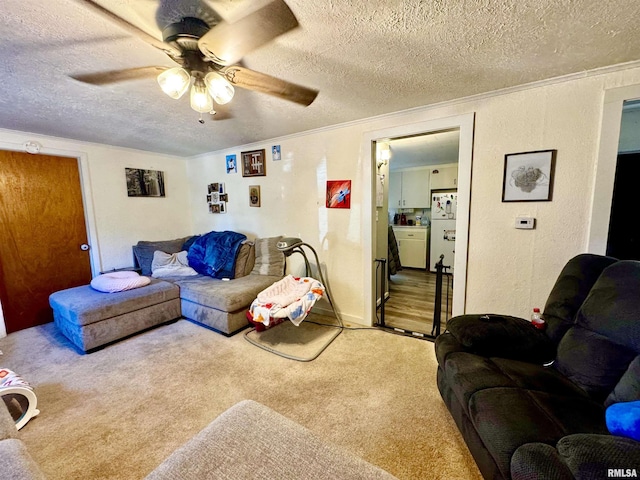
<point x="231" y="164"/>
<point x="144" y="183"/>
<point x="528" y="176"/>
<point x="253" y="163"/>
<point x="254" y="195"/>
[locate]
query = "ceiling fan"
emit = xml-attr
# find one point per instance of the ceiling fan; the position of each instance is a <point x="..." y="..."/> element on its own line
<point x="207" y="55"/>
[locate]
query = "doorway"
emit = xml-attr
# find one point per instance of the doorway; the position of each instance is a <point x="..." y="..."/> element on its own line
<point x="612" y="138"/>
<point x="420" y="168"/>
<point x="43" y="240"/>
<point x="376" y="221"/>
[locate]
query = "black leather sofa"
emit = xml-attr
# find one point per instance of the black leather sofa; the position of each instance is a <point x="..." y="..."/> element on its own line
<point x="531" y="404"/>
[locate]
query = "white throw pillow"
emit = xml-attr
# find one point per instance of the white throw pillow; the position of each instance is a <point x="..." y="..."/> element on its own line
<point x="171" y="265"/>
<point x="118" y="281"/>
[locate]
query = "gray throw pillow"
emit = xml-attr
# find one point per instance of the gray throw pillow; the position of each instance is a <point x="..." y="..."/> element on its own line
<point x="269" y="260"/>
<point x="245" y="260"/>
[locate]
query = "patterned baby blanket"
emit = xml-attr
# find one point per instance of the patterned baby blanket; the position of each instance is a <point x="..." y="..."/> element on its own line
<point x="292" y="298"/>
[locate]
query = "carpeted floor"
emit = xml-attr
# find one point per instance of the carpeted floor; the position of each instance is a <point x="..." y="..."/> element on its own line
<point x="117" y="413"/>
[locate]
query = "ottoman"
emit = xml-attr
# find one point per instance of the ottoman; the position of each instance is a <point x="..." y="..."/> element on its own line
<point x="252" y="442"/>
<point x="92" y="319"/>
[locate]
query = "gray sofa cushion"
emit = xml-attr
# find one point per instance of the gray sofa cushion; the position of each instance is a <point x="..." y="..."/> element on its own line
<point x="269" y="260"/>
<point x="251" y="441"/>
<point x="83" y="305"/>
<point x="227" y="296"/>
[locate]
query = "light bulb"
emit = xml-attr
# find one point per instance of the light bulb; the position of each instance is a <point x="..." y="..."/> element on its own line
<point x="219" y="88"/>
<point x="200" y="99"/>
<point x="174" y="82"/>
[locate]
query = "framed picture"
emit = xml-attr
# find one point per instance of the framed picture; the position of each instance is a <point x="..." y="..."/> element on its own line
<point x="217" y="197"/>
<point x="275" y="153"/>
<point x="232" y="167"/>
<point x="338" y="193"/>
<point x="144" y="183"/>
<point x="528" y="176"/>
<point x="253" y="164"/>
<point x="254" y="195"/>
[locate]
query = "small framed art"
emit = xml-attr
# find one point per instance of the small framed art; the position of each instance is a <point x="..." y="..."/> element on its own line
<point x="338" y="193"/>
<point x="528" y="176"/>
<point x="275" y="153"/>
<point x="253" y="164"/>
<point x="254" y="195"/>
<point x="231" y="164"/>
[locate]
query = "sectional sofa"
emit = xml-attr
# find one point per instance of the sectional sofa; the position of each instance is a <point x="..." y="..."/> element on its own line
<point x="91" y="319"/>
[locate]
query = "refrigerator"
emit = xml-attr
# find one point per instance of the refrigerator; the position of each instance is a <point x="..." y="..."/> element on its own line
<point x="444" y="204"/>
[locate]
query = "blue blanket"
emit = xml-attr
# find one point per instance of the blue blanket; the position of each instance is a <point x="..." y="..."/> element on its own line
<point x="215" y="253"/>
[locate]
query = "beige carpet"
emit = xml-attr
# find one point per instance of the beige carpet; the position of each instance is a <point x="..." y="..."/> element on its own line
<point x="117" y="413"/>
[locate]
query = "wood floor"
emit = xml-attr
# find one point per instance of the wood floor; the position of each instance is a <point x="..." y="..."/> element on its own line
<point x="412" y="298"/>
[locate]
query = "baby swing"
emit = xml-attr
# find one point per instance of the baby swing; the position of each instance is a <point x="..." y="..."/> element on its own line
<point x="291" y="298"/>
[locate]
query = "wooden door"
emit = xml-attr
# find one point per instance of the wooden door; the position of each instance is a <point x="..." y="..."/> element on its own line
<point x="42" y="231"/>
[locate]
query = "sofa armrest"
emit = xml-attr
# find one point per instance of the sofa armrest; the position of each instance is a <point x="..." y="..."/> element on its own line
<point x="581" y="456"/>
<point x="502" y="336"/>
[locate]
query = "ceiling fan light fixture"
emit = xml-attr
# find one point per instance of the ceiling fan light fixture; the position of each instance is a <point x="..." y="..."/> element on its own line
<point x="201" y="101"/>
<point x="174" y="82"/>
<point x="219" y="88"/>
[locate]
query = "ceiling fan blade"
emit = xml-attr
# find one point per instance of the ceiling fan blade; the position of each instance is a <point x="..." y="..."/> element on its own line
<point x="227" y="43"/>
<point x="115" y="76"/>
<point x="131" y="28"/>
<point x="261" y="82"/>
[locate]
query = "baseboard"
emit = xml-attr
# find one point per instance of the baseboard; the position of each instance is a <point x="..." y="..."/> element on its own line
<point x="346" y="318"/>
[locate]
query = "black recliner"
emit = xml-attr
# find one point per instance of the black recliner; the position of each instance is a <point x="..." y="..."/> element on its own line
<point x="531" y="404"/>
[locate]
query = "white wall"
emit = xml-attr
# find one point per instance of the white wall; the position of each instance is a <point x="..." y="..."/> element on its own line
<point x="509" y="271"/>
<point x="115" y="221"/>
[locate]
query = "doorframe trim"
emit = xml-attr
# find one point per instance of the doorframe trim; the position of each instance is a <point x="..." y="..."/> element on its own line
<point x="465" y="123"/>
<point x="85" y="188"/>
<point x="605" y="169"/>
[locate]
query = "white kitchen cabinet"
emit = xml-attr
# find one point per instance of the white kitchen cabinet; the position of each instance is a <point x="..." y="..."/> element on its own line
<point x="412" y="246"/>
<point x="409" y="188"/>
<point x="445" y="178"/>
<point x="395" y="190"/>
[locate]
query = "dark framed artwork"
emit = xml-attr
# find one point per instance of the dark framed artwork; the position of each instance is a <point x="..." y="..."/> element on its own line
<point x="338" y="193"/>
<point x="254" y="195"/>
<point x="528" y="176"/>
<point x="144" y="183"/>
<point x="253" y="163"/>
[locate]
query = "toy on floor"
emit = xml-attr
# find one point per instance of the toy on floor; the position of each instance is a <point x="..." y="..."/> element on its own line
<point x="19" y="396"/>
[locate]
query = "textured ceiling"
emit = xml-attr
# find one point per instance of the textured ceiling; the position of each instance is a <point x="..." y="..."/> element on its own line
<point x="366" y="57"/>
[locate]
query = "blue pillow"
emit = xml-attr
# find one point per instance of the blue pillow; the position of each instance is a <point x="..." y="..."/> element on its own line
<point x="624" y="419"/>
